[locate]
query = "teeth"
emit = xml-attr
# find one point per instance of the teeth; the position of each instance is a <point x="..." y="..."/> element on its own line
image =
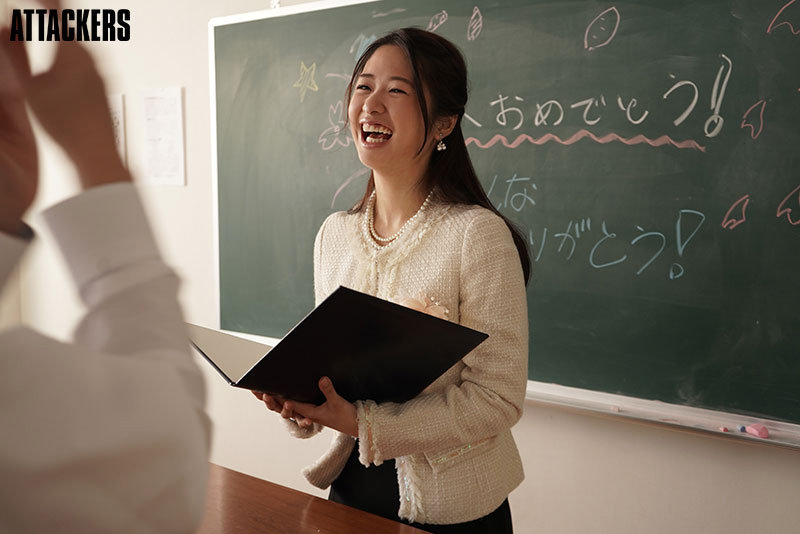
<point x="376" y="140"/>
<point x="375" y="128"/>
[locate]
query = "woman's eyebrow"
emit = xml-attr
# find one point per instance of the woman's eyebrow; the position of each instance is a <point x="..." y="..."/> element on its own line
<point x="395" y="78"/>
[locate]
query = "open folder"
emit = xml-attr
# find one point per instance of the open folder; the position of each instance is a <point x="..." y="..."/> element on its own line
<point x="370" y="348"/>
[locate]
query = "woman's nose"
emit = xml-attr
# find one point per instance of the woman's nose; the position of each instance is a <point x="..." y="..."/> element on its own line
<point x="373" y="103"/>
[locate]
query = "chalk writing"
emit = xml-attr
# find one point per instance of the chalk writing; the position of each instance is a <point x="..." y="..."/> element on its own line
<point x="737" y="213"/>
<point x="783" y="209"/>
<point x="501" y="116"/>
<point x="573" y="226"/>
<point x="606" y="248"/>
<point x="543" y="112"/>
<point x="360" y="172"/>
<point x="737" y="209"/>
<point x="755" y="123"/>
<point x="361" y="43"/>
<point x="688" y="110"/>
<point x="532" y="241"/>
<point x="717" y="94"/>
<point x="376" y="15"/>
<point x="437" y="20"/>
<point x="564" y="235"/>
<point x="518" y="200"/>
<point x="587" y="104"/>
<point x="585" y="134"/>
<point x="643" y="235"/>
<point x="680" y="242"/>
<point x="602" y="29"/>
<point x="306" y="81"/>
<point x="627" y="108"/>
<point x="473" y="121"/>
<point x="772" y="24"/>
<point x="606" y="236"/>
<point x="336" y="134"/>
<point x="475" y="24"/>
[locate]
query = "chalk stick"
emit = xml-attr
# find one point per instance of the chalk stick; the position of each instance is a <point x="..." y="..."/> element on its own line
<point x="758" y="430"/>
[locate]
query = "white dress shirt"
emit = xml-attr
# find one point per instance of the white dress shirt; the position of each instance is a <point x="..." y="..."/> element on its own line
<point x="107" y="434"/>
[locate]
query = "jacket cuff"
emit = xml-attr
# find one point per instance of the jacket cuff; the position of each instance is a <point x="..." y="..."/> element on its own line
<point x="300" y="432"/>
<point x="368" y="452"/>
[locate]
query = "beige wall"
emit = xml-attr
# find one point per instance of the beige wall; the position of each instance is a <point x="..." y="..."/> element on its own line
<point x="585" y="474"/>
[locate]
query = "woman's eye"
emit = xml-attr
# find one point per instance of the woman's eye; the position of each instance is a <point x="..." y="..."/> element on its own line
<point x="362" y="87"/>
<point x="396" y="90"/>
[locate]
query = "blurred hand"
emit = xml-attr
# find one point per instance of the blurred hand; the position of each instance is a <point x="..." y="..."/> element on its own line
<point x="19" y="169"/>
<point x="69" y="100"/>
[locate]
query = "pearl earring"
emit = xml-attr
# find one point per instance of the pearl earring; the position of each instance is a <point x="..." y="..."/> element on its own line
<point x="441" y="146"/>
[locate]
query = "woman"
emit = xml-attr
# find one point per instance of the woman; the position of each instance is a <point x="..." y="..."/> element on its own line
<point x="425" y="235"/>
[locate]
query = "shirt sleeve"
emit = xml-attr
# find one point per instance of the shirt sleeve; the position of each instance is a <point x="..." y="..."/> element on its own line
<point x="491" y="393"/>
<point x="108" y="433"/>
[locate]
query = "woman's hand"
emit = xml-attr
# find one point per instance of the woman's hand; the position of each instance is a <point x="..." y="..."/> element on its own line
<point x="336" y="412"/>
<point x="277" y="404"/>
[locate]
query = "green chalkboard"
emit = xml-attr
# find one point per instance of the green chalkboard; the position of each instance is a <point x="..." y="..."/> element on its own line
<point x="649" y="151"/>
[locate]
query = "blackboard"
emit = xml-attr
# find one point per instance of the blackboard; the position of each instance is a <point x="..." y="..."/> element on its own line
<point x="649" y="151"/>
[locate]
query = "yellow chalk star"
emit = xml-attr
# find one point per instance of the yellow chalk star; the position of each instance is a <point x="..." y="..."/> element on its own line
<point x="306" y="80"/>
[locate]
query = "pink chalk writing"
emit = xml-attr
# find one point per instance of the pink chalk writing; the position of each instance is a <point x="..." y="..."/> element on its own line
<point x="437" y="20"/>
<point x="785" y="210"/>
<point x="730" y="221"/>
<point x="352" y="177"/>
<point x="663" y="140"/>
<point x="756" y="124"/>
<point x="475" y="24"/>
<point x="772" y="24"/>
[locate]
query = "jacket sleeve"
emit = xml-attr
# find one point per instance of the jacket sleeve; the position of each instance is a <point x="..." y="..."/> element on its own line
<point x="108" y="433"/>
<point x="490" y="396"/>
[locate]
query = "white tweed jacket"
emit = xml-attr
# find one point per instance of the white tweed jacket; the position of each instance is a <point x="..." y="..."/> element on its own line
<point x="456" y="458"/>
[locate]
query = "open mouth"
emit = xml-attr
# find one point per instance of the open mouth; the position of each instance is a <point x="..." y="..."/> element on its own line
<point x="375" y="133"/>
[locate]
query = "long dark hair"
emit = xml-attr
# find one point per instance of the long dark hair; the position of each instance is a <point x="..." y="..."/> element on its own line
<point x="438" y="65"/>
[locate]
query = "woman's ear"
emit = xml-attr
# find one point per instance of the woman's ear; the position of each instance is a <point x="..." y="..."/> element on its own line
<point x="445" y="125"/>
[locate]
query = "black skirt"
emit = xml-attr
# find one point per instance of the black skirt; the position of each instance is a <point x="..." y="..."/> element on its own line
<point x="374" y="489"/>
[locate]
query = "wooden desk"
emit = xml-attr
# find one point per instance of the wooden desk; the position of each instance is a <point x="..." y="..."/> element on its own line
<point x="243" y="504"/>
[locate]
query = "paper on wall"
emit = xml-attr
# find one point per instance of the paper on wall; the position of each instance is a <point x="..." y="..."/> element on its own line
<point x="163" y="146"/>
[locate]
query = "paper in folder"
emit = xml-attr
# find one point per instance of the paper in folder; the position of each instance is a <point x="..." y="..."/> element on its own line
<point x="370" y="348"/>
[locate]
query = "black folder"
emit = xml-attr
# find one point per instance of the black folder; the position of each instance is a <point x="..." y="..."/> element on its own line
<point x="370" y="348"/>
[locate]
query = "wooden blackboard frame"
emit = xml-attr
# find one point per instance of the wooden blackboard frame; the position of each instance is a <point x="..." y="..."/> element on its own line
<point x="707" y="421"/>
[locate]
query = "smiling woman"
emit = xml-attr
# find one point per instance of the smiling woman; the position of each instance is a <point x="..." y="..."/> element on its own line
<point x="424" y="232"/>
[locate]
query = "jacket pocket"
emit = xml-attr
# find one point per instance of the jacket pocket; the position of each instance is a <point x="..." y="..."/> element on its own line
<point x="443" y="460"/>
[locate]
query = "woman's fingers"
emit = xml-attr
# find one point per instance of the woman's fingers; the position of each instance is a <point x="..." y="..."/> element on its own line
<point x="303" y="422"/>
<point x="273" y="403"/>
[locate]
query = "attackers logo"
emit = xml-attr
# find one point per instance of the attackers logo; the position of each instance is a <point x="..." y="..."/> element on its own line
<point x="70" y="25"/>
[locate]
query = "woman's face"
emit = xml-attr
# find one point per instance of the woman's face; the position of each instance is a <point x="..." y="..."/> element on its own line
<point x="385" y="119"/>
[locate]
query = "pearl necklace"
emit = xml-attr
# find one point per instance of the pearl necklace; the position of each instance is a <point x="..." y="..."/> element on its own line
<point x="370" y="216"/>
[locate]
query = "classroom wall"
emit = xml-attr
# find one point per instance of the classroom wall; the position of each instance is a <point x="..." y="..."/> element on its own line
<point x="584" y="473"/>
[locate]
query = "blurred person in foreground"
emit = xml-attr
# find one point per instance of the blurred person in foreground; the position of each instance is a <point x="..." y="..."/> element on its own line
<point x="107" y="433"/>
